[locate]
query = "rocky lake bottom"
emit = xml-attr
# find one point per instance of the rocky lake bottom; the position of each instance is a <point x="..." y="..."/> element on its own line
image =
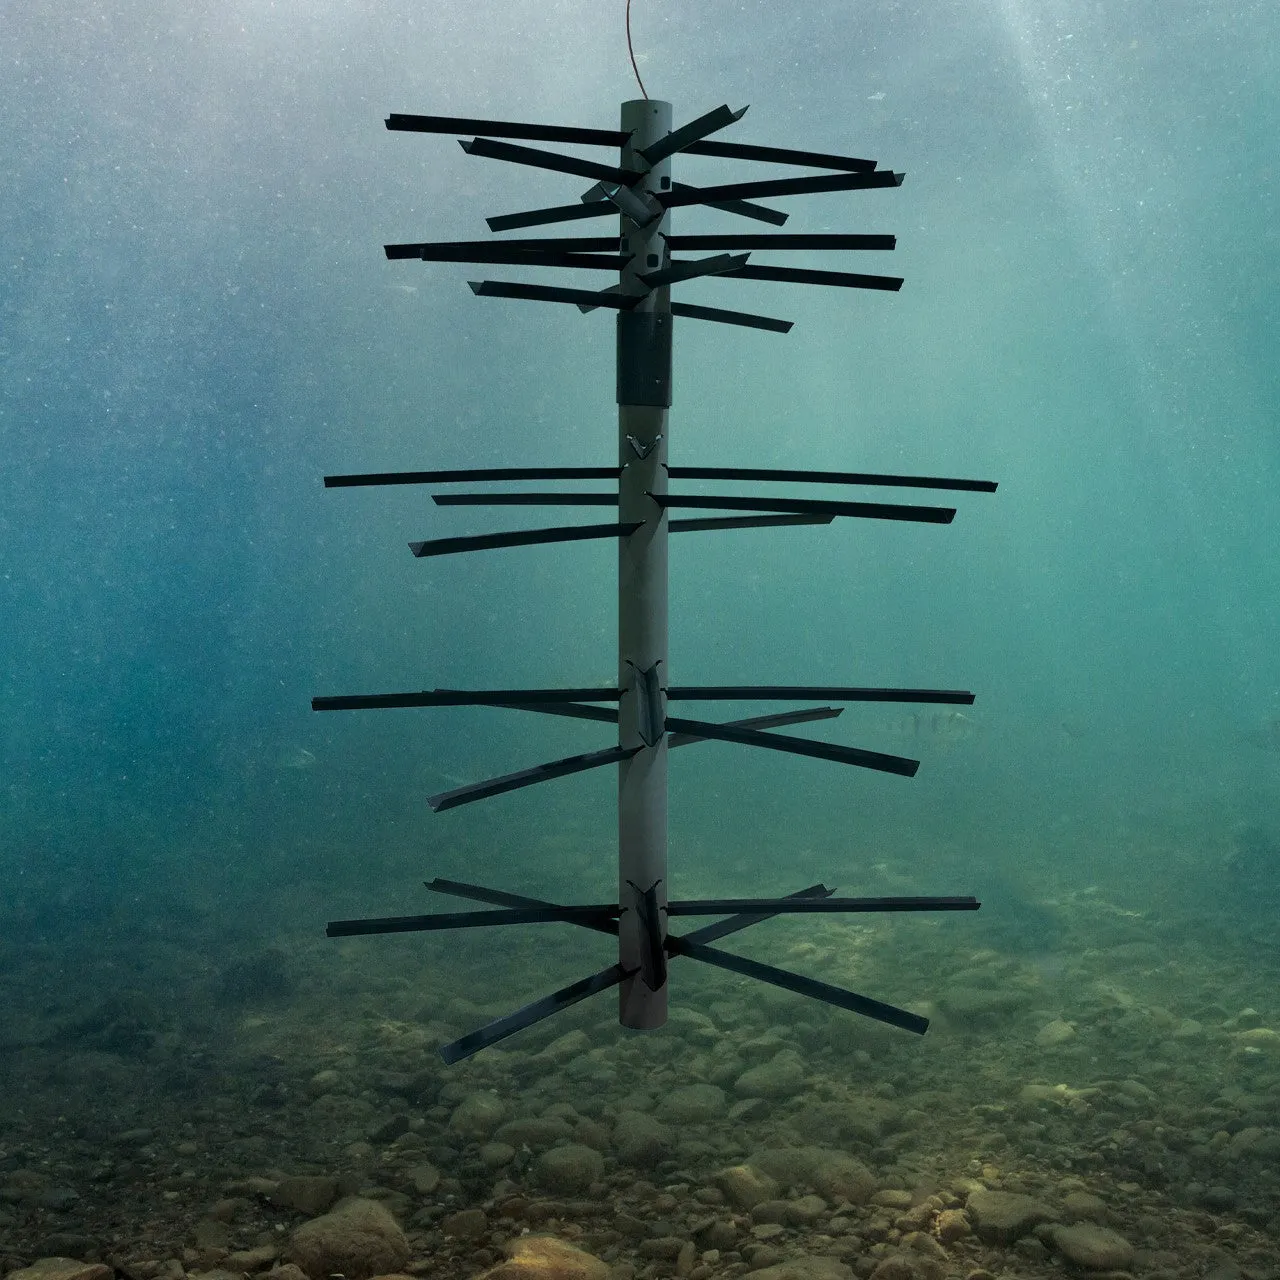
<point x="181" y="1098"/>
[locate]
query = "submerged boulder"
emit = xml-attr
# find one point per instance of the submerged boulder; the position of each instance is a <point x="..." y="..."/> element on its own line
<point x="1000" y="1217"/>
<point x="62" y="1269"/>
<point x="1093" y="1247"/>
<point x="831" y="1173"/>
<point x="781" y="1077"/>
<point x="358" y="1239"/>
<point x="570" y="1169"/>
<point x="546" y="1258"/>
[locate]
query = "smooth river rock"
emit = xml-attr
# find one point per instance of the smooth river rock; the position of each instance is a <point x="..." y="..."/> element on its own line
<point x="358" y="1239"/>
<point x="781" y="1077"/>
<point x="1000" y="1217"/>
<point x="546" y="1258"/>
<point x="694" y="1104"/>
<point x="569" y="1169"/>
<point x="1093" y="1247"/>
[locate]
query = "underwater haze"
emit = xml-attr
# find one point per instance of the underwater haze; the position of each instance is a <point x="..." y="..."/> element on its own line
<point x="198" y="323"/>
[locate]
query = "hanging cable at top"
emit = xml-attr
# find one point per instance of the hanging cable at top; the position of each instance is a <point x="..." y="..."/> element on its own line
<point x="631" y="51"/>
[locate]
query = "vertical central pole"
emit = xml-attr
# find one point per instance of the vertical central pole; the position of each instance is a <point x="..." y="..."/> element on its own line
<point x="644" y="397"/>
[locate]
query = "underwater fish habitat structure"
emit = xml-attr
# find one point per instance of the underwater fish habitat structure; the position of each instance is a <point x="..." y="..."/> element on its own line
<point x="639" y="190"/>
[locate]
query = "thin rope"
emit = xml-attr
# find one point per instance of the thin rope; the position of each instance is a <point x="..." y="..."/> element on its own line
<point x="632" y="54"/>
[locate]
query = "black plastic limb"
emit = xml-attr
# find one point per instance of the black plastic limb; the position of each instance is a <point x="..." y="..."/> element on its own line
<point x="821" y="906"/>
<point x="767" y="240"/>
<point x="877" y="760"/>
<point x="815" y="506"/>
<point x="837" y="693"/>
<point x="529" y="777"/>
<point x="529" y="1014"/>
<point x="789" y="475"/>
<point x="460" y="250"/>
<point x="792" y="475"/>
<point x="501" y="898"/>
<point x="507" y="129"/>
<point x="553" y="702"/>
<point x="767" y="187"/>
<point x="617" y="138"/>
<point x="689" y="731"/>
<point x="710" y="524"/>
<point x="744" y="319"/>
<point x="601" y="209"/>
<point x="756" y="212"/>
<point x="597" y="915"/>
<point x="521" y="538"/>
<point x="683" y="138"/>
<point x="810" y="987"/>
<point x="470" y="475"/>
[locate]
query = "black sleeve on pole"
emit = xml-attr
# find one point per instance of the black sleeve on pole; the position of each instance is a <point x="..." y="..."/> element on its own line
<point x="673" y="273"/>
<point x="573" y="710"/>
<point x="824" y="906"/>
<point x="443" y="920"/>
<point x="551" y="293"/>
<point x="772" y="241"/>
<point x="644" y="358"/>
<point x="653" y="955"/>
<point x="756" y="212"/>
<point x="460" y="698"/>
<point x="501" y="898"/>
<point x="543" y="217"/>
<point x="805" y="716"/>
<point x="525" y="499"/>
<point x="801" y="275"/>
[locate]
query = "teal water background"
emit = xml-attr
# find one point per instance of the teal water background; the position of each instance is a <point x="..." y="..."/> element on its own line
<point x="197" y="322"/>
